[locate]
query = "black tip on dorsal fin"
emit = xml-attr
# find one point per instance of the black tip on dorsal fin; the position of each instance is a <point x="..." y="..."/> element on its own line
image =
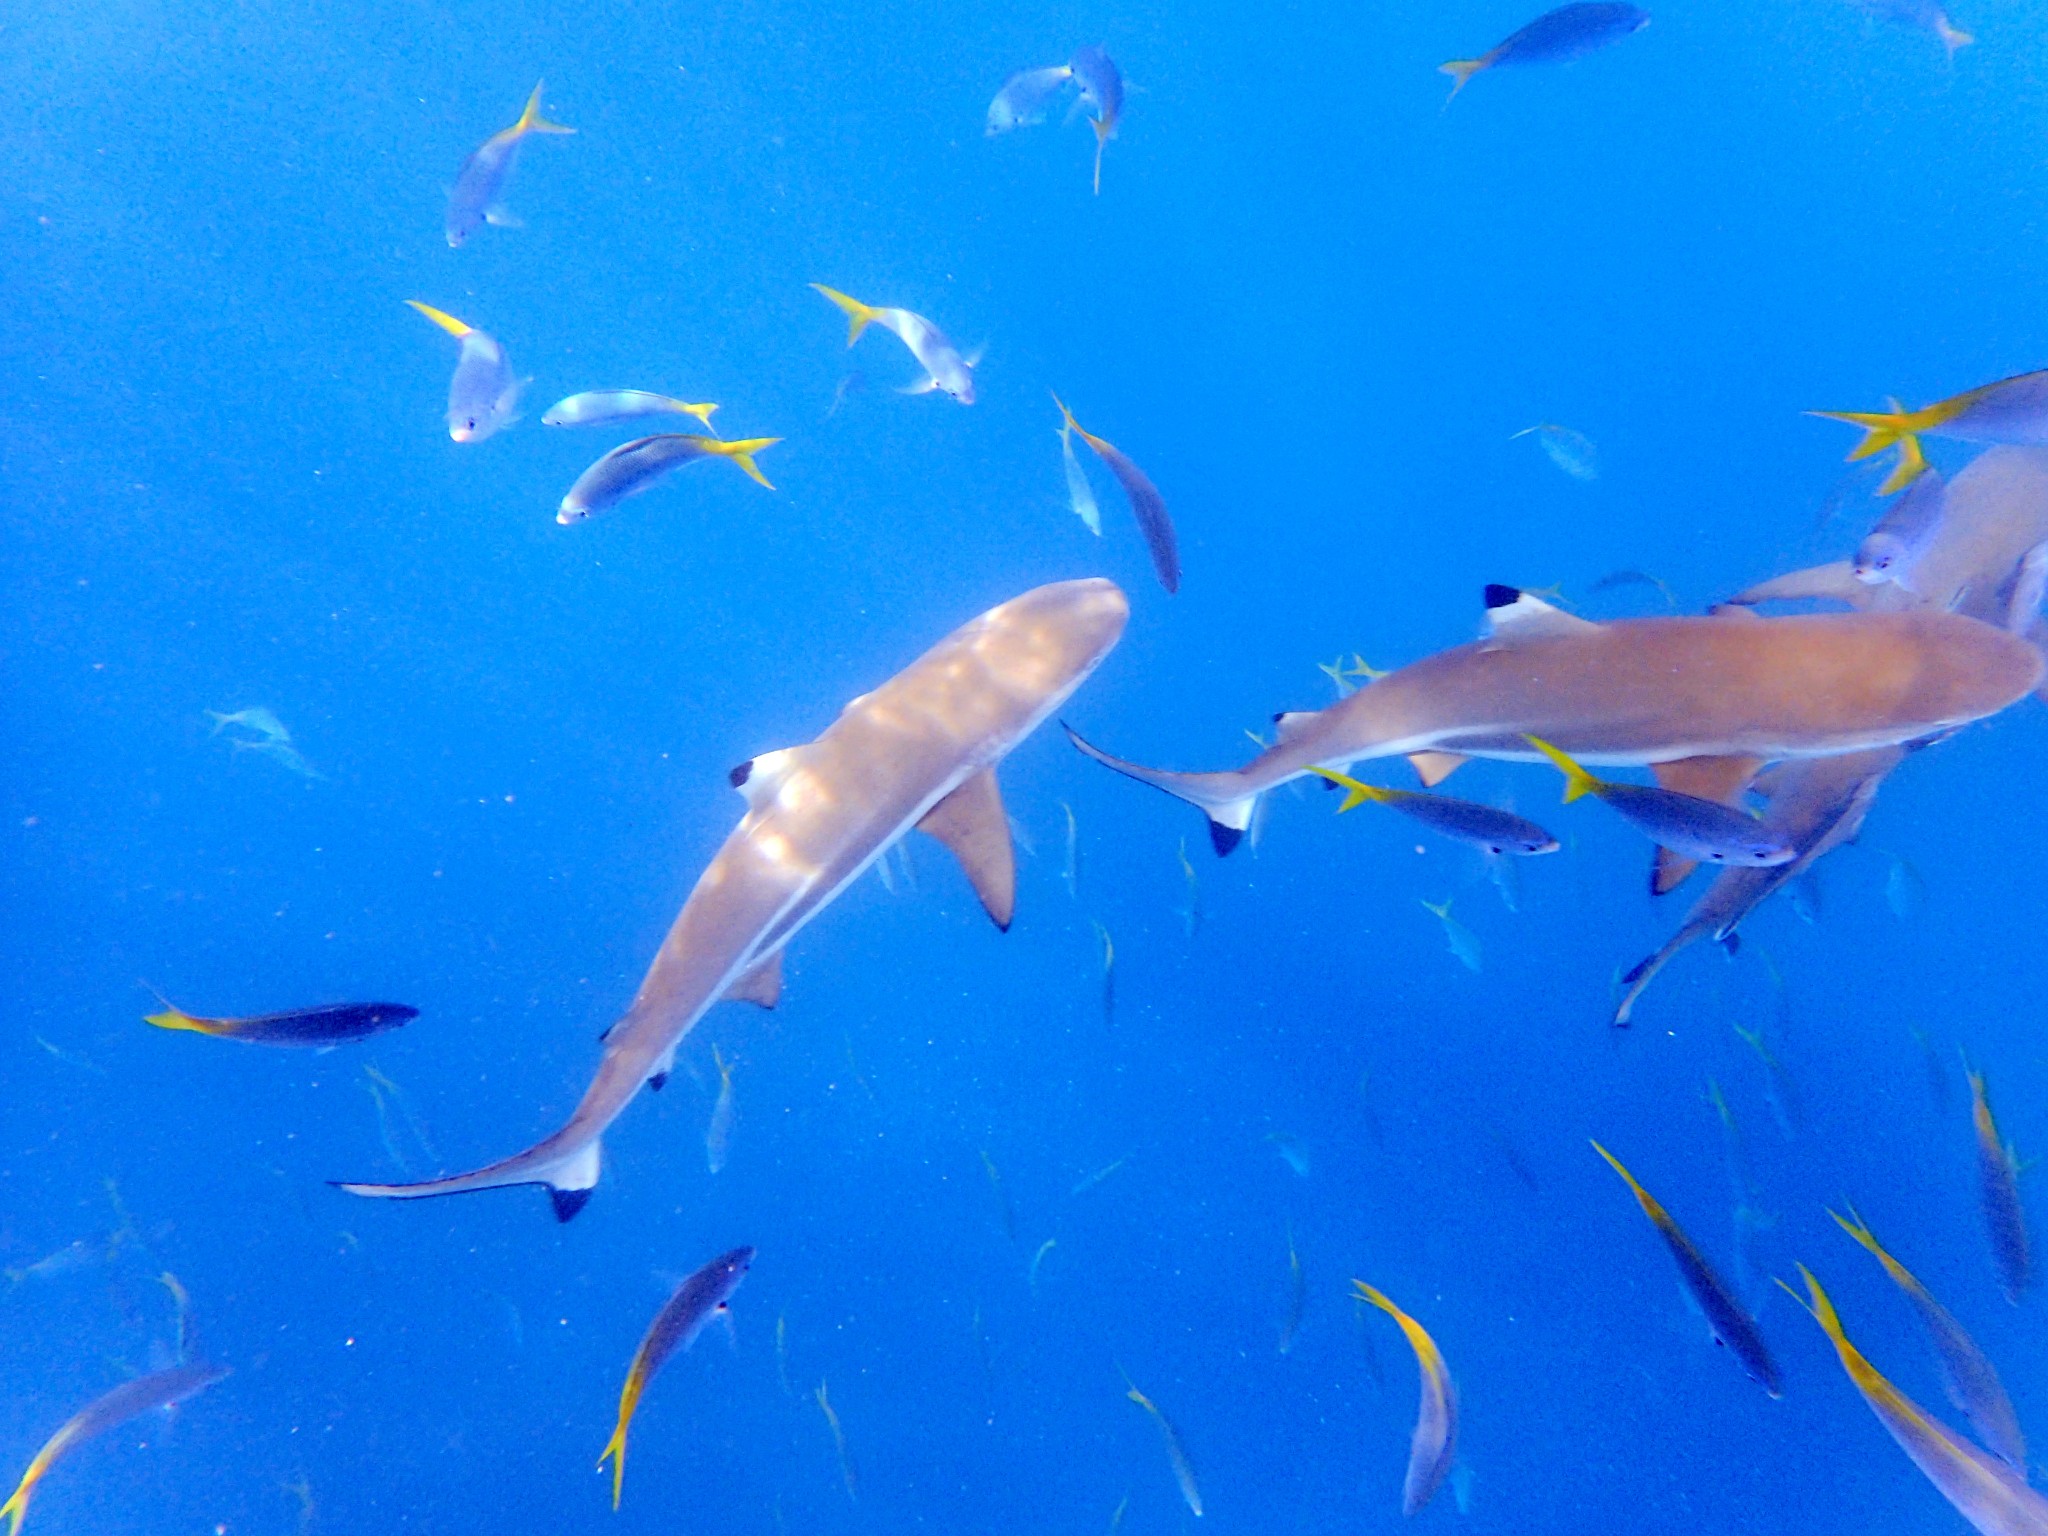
<point x="568" y="1202"/>
<point x="1223" y="838"/>
<point x="740" y="775"/>
<point x="1498" y="596"/>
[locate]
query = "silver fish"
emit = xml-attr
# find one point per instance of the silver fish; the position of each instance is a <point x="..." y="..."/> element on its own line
<point x="634" y="467"/>
<point x="478" y="195"/>
<point x="483" y="395"/>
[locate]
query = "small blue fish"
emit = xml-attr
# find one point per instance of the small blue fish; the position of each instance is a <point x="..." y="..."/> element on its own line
<point x="480" y="184"/>
<point x="1102" y="91"/>
<point x="1555" y="37"/>
<point x="1463" y="942"/>
<point x="1079" y="492"/>
<point x="1022" y="101"/>
<point x="483" y="395"/>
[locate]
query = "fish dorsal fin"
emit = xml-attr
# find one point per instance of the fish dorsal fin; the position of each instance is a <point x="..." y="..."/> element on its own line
<point x="1434" y="767"/>
<point x="970" y="821"/>
<point x="759" y="777"/>
<point x="762" y="984"/>
<point x="1720" y="779"/>
<point x="1512" y="614"/>
<point x="1289" y="723"/>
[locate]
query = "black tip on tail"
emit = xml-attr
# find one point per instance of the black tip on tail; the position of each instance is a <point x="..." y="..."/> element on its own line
<point x="567" y="1202"/>
<point x="1223" y="838"/>
<point x="1635" y="973"/>
<point x="1498" y="596"/>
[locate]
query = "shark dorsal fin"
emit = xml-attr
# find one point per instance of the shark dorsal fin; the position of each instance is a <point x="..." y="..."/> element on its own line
<point x="759" y="777"/>
<point x="762" y="984"/>
<point x="1512" y="614"/>
<point x="1434" y="767"/>
<point x="970" y="821"/>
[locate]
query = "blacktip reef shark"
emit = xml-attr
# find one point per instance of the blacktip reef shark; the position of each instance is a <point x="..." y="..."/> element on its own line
<point x="920" y="751"/>
<point x="1704" y="701"/>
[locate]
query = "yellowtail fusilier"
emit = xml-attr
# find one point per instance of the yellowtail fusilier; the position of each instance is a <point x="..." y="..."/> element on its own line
<point x="1690" y="825"/>
<point x="1147" y="505"/>
<point x="1555" y="37"/>
<point x="1467" y="821"/>
<point x="316" y="1027"/>
<point x="701" y="1297"/>
<point x="2013" y="410"/>
<point x="1176" y="1453"/>
<point x="1102" y="92"/>
<point x="633" y="467"/>
<point x="478" y="197"/>
<point x="1023" y="100"/>
<point x="1434" y="1445"/>
<point x="944" y="368"/>
<point x="1998" y="1184"/>
<point x="597" y="406"/>
<point x="483" y="395"/>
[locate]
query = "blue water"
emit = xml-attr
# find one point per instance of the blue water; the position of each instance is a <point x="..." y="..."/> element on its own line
<point x="1313" y="304"/>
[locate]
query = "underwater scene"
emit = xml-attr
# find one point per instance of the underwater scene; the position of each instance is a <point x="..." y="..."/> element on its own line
<point x="1113" y="769"/>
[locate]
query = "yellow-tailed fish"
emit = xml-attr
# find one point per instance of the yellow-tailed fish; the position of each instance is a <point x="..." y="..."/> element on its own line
<point x="1967" y="1374"/>
<point x="1147" y="505"/>
<point x="2013" y="410"/>
<point x="1690" y="825"/>
<point x="597" y="406"/>
<point x="945" y="370"/>
<point x="483" y="394"/>
<point x="848" y="1473"/>
<point x="478" y="195"/>
<point x="1998" y="1183"/>
<point x="1079" y="492"/>
<point x="1635" y="692"/>
<point x="1467" y="821"/>
<point x="1434" y="1445"/>
<point x="632" y="467"/>
<point x="316" y="1027"/>
<point x="1460" y="940"/>
<point x="1731" y="1325"/>
<point x="718" y="1136"/>
<point x="1555" y="37"/>
<point x="159" y="1389"/>
<point x="1983" y="1490"/>
<point x="696" y="1301"/>
<point x="1176" y="1453"/>
<point x="1102" y="91"/>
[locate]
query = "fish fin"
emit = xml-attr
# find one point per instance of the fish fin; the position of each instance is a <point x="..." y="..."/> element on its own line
<point x="500" y="217"/>
<point x="702" y="412"/>
<point x="758" y="778"/>
<point x="858" y="315"/>
<point x="1103" y="133"/>
<point x="970" y="821"/>
<point x="530" y="121"/>
<point x="570" y="1178"/>
<point x="1668" y="871"/>
<point x="1289" y="723"/>
<point x="1577" y="781"/>
<point x="1512" y="614"/>
<point x="16" y="1508"/>
<point x="1836" y="581"/>
<point x="615" y="1452"/>
<point x="1720" y="779"/>
<point x="1460" y="70"/>
<point x="741" y="452"/>
<point x="1434" y="767"/>
<point x="1356" y="793"/>
<point x="1220" y="796"/>
<point x="1951" y="37"/>
<point x="442" y="318"/>
<point x="1888" y="429"/>
<point x="924" y="386"/>
<point x="176" y="1018"/>
<point x="762" y="984"/>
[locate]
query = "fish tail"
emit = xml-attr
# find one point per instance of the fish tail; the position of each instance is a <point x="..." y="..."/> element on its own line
<point x="16" y="1507"/>
<point x="442" y="318"/>
<point x="1221" y="797"/>
<point x="742" y="453"/>
<point x="1577" y="781"/>
<point x="702" y="412"/>
<point x="177" y="1018"/>
<point x="570" y="1176"/>
<point x="530" y="121"/>
<point x="1356" y="793"/>
<point x="1102" y="132"/>
<point x="615" y="1452"/>
<point x="1889" y="429"/>
<point x="858" y="315"/>
<point x="1072" y="425"/>
<point x="1951" y="37"/>
<point x="1858" y="1228"/>
<point x="1460" y="70"/>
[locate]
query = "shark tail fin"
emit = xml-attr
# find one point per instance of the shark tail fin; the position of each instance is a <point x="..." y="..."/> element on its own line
<point x="742" y="453"/>
<point x="1577" y="781"/>
<point x="858" y="315"/>
<point x="530" y="121"/>
<point x="570" y="1175"/>
<point x="1222" y="797"/>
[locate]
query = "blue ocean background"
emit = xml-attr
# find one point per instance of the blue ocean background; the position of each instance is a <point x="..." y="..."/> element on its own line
<point x="1314" y="304"/>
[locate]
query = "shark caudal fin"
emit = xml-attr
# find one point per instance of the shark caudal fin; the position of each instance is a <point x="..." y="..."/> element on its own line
<point x="570" y="1175"/>
<point x="530" y="121"/>
<point x="742" y="453"/>
<point x="858" y="315"/>
<point x="1577" y="781"/>
<point x="1221" y="797"/>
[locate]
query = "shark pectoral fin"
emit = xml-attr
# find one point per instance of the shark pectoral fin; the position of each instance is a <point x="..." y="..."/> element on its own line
<point x="1668" y="871"/>
<point x="759" y="777"/>
<point x="970" y="821"/>
<point x="1836" y="582"/>
<point x="1434" y="767"/>
<point x="762" y="984"/>
<point x="1512" y="614"/>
